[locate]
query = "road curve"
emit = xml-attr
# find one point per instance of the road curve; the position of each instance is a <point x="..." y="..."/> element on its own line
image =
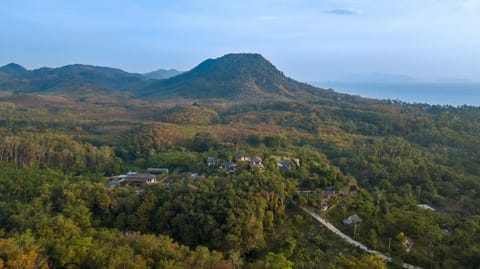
<point x="349" y="240"/>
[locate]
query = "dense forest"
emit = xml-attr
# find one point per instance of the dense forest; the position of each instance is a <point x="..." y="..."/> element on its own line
<point x="400" y="178"/>
<point x="382" y="160"/>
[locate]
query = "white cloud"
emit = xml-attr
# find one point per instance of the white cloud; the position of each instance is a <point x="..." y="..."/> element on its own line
<point x="344" y="11"/>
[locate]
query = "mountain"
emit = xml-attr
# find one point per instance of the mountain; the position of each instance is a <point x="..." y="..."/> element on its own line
<point x="240" y="77"/>
<point x="232" y="76"/>
<point x="162" y="73"/>
<point x="13" y="69"/>
<point x="70" y="78"/>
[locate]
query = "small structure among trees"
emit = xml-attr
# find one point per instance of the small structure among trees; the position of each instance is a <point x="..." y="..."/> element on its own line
<point x="157" y="171"/>
<point x="242" y="157"/>
<point x="284" y="165"/>
<point x="256" y="163"/>
<point x="139" y="180"/>
<point x="354" y="219"/>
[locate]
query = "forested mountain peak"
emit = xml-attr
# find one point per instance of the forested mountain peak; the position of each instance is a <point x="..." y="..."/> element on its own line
<point x="87" y="72"/>
<point x="244" y="64"/>
<point x="232" y="76"/>
<point x="13" y="68"/>
<point x="238" y="77"/>
<point x="69" y="79"/>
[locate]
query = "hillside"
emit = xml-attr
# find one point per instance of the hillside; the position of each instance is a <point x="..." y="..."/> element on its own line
<point x="239" y="78"/>
<point x="70" y="79"/>
<point x="13" y="69"/>
<point x="344" y="156"/>
<point x="233" y="77"/>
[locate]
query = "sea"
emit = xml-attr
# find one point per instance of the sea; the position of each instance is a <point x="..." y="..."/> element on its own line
<point x="434" y="93"/>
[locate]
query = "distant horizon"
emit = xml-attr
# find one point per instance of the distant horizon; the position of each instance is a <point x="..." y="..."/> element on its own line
<point x="453" y="92"/>
<point x="432" y="93"/>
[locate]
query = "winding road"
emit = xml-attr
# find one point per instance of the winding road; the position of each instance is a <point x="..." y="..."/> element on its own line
<point x="351" y="241"/>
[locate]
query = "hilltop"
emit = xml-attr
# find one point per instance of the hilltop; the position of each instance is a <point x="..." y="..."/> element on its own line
<point x="13" y="69"/>
<point x="70" y="79"/>
<point x="162" y="73"/>
<point x="244" y="76"/>
<point x="238" y="77"/>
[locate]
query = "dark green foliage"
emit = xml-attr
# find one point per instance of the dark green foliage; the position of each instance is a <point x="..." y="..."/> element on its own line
<point x="73" y="77"/>
<point x="278" y="261"/>
<point x="230" y="214"/>
<point x="253" y="140"/>
<point x="376" y="159"/>
<point x="44" y="149"/>
<point x="203" y="142"/>
<point x="274" y="141"/>
<point x="247" y="76"/>
<point x="55" y="223"/>
<point x="188" y="115"/>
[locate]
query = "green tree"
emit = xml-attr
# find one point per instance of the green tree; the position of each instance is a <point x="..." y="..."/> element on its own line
<point x="364" y="262"/>
<point x="203" y="142"/>
<point x="277" y="261"/>
<point x="273" y="141"/>
<point x="253" y="140"/>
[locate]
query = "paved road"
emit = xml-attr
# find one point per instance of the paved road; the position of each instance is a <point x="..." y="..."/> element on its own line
<point x="347" y="238"/>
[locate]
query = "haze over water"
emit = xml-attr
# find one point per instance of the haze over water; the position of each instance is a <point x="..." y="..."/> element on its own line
<point x="434" y="93"/>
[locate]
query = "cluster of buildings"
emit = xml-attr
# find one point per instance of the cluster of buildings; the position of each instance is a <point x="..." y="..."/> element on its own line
<point x="254" y="163"/>
<point x="213" y="165"/>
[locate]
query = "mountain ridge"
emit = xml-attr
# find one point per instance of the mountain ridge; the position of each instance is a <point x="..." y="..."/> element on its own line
<point x="162" y="73"/>
<point x="232" y="76"/>
<point x="239" y="77"/>
<point x="75" y="77"/>
<point x="13" y="69"/>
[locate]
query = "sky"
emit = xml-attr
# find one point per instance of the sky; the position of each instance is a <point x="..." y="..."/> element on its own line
<point x="308" y="40"/>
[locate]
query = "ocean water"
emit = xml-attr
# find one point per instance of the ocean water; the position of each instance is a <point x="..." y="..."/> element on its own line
<point x="455" y="94"/>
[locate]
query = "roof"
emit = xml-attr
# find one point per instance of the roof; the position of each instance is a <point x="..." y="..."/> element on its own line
<point x="139" y="177"/>
<point x="408" y="244"/>
<point x="427" y="207"/>
<point x="256" y="159"/>
<point x="355" y="218"/>
<point x="228" y="165"/>
<point x="284" y="163"/>
<point x="157" y="171"/>
<point x="256" y="162"/>
<point x="352" y="219"/>
<point x="241" y="156"/>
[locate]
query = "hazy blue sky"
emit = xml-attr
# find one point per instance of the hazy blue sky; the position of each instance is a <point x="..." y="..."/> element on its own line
<point x="308" y="40"/>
